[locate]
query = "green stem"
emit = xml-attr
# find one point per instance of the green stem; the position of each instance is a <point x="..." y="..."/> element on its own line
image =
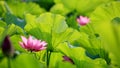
<point x="91" y="29"/>
<point x="9" y="63"/>
<point x="7" y="8"/>
<point x="48" y="57"/>
<point x="34" y="54"/>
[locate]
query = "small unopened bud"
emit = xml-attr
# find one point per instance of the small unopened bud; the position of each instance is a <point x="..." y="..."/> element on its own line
<point x="66" y="58"/>
<point x="7" y="47"/>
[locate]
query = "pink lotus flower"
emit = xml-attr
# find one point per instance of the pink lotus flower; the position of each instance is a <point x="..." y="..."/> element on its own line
<point x="68" y="59"/>
<point x="32" y="44"/>
<point x="83" y="20"/>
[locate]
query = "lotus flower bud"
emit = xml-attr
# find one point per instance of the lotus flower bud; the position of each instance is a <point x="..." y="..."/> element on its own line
<point x="65" y="58"/>
<point x="7" y="47"/>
